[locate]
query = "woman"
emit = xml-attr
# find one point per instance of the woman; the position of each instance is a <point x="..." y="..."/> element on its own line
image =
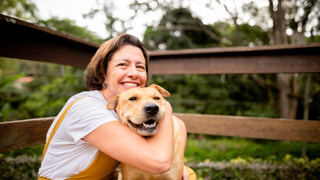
<point x="87" y="141"/>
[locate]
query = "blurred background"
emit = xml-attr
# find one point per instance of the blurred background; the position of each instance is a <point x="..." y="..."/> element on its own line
<point x="31" y="89"/>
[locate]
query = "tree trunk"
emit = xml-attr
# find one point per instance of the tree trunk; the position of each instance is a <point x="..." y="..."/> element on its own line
<point x="280" y="37"/>
<point x="283" y="81"/>
<point x="294" y="100"/>
<point x="239" y="42"/>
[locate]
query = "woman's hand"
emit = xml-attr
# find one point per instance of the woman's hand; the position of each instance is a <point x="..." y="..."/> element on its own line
<point x="185" y="175"/>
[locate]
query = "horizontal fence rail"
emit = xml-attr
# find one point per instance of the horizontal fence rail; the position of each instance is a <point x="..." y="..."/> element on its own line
<point x="238" y="60"/>
<point x="23" y="40"/>
<point x="27" y="41"/>
<point x="31" y="42"/>
<point x="26" y="133"/>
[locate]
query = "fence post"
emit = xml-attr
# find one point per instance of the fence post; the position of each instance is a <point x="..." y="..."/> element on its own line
<point x="306" y="111"/>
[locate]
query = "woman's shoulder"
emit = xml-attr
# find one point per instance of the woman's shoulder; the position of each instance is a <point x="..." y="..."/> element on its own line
<point x="88" y="97"/>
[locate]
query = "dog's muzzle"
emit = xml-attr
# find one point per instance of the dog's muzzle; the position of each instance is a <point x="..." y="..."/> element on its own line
<point x="148" y="126"/>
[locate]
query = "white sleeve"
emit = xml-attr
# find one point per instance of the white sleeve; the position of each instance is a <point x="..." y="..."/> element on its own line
<point x="86" y="115"/>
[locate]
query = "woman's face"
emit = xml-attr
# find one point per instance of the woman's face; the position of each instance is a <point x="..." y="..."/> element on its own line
<point x="126" y="69"/>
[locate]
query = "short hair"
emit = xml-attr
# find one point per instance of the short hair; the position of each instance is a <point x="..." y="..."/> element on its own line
<point x="98" y="66"/>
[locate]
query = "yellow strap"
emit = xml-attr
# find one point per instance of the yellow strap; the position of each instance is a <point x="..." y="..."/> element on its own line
<point x="55" y="128"/>
<point x="43" y="178"/>
<point x="192" y="174"/>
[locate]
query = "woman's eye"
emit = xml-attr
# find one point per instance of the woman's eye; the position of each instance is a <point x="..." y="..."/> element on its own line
<point x="141" y="67"/>
<point x="122" y="64"/>
<point x="133" y="99"/>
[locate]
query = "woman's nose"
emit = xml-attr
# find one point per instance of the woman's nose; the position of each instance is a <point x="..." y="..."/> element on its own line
<point x="133" y="72"/>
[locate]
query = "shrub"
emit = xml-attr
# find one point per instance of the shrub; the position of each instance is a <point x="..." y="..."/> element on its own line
<point x="19" y="168"/>
<point x="289" y="168"/>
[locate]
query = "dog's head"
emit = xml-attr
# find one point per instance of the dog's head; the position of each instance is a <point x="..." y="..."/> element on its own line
<point x="141" y="109"/>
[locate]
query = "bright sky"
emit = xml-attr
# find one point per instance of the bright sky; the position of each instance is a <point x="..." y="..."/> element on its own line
<point x="74" y="9"/>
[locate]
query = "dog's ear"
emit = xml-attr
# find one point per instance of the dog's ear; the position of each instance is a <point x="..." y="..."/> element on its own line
<point x="162" y="91"/>
<point x="113" y="103"/>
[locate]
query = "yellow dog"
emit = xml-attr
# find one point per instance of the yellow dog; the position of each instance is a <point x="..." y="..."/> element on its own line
<point x="142" y="109"/>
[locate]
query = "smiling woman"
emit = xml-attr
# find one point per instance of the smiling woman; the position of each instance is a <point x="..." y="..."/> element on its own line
<point x="87" y="141"/>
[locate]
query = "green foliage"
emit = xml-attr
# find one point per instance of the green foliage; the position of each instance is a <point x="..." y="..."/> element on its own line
<point x="50" y="99"/>
<point x="289" y="168"/>
<point x="19" y="168"/>
<point x="24" y="9"/>
<point x="213" y="94"/>
<point x="178" y="29"/>
<point x="69" y="27"/>
<point x="30" y="152"/>
<point x="250" y="35"/>
<point x="52" y="85"/>
<point x="239" y="158"/>
<point x="4" y="82"/>
<point x="8" y="101"/>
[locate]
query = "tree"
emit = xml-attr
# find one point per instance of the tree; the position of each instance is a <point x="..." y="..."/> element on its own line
<point x="69" y="27"/>
<point x="6" y="83"/>
<point x="234" y="16"/>
<point x="251" y="35"/>
<point x="114" y="25"/>
<point x="288" y="84"/>
<point x="179" y="30"/>
<point x="23" y="9"/>
<point x="294" y="16"/>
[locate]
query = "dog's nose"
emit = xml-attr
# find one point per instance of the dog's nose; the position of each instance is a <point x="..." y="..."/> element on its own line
<point x="151" y="109"/>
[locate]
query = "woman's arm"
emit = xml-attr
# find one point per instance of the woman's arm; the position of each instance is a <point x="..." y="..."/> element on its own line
<point x="152" y="154"/>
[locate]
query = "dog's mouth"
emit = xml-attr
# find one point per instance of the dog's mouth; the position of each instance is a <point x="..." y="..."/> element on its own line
<point x="149" y="125"/>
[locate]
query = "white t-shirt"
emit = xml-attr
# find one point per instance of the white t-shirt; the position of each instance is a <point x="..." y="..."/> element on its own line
<point x="67" y="153"/>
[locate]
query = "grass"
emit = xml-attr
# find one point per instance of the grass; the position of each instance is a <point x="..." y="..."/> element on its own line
<point x="223" y="148"/>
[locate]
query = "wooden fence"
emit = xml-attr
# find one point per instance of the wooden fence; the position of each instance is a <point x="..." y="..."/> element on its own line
<point x="24" y="40"/>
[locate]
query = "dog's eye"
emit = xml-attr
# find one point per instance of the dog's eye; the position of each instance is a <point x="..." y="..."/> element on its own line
<point x="156" y="98"/>
<point x="133" y="99"/>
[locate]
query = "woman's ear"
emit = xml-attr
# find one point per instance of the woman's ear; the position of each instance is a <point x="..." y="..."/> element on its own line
<point x="113" y="103"/>
<point x="161" y="90"/>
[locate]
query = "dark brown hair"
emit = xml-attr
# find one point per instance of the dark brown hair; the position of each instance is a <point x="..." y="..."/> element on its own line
<point x="98" y="66"/>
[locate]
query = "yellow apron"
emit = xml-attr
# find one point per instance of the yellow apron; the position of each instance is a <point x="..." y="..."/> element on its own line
<point x="103" y="166"/>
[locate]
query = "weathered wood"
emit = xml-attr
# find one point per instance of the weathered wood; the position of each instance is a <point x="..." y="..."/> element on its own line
<point x="23" y="133"/>
<point x="238" y="60"/>
<point x="253" y="127"/>
<point x="23" y="40"/>
<point x="26" y="133"/>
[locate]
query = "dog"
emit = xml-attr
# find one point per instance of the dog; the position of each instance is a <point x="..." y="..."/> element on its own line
<point x="142" y="109"/>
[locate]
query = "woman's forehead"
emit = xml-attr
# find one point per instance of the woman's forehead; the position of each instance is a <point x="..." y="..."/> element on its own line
<point x="128" y="53"/>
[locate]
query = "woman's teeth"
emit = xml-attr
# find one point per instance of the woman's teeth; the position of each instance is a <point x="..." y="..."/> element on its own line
<point x="130" y="84"/>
